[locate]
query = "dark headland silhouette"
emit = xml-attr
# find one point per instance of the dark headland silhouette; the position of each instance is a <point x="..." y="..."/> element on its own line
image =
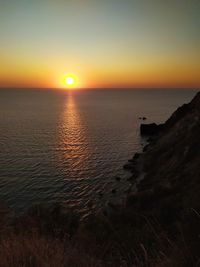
<point x="158" y="225"/>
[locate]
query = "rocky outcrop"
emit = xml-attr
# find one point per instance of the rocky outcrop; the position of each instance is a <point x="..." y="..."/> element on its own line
<point x="170" y="190"/>
<point x="174" y="157"/>
<point x="150" y="129"/>
<point x="172" y="160"/>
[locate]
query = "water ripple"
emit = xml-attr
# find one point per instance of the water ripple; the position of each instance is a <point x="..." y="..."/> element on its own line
<point x="59" y="146"/>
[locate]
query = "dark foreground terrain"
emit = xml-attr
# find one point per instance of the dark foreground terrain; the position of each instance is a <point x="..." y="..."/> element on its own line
<point x="159" y="225"/>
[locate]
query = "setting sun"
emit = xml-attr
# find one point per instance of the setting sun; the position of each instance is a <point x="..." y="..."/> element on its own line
<point x="69" y="81"/>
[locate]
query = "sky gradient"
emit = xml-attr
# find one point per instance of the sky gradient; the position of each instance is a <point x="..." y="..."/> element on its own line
<point x="107" y="43"/>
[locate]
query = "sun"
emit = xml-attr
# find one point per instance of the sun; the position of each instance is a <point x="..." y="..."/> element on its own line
<point x="70" y="81"/>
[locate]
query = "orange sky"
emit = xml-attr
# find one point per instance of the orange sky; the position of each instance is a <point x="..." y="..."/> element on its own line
<point x="104" y="44"/>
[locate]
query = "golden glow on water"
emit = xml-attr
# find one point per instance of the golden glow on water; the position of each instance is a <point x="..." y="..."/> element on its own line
<point x="72" y="138"/>
<point x="74" y="156"/>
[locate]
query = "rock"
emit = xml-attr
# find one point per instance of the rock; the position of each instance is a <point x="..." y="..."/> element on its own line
<point x="180" y="113"/>
<point x="136" y="156"/>
<point x="145" y="148"/>
<point x="130" y="178"/>
<point x="117" y="178"/>
<point x="100" y="194"/>
<point x="150" y="139"/>
<point x="105" y="213"/>
<point x="135" y="174"/>
<point x="128" y="166"/>
<point x="150" y="129"/>
<point x="140" y="197"/>
<point x="114" y="191"/>
<point x="133" y="163"/>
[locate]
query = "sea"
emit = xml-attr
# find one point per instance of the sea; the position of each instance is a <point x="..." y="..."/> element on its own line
<point x="69" y="146"/>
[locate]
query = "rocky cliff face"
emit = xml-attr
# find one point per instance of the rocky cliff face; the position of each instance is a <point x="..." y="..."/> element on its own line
<point x="170" y="190"/>
<point x="172" y="160"/>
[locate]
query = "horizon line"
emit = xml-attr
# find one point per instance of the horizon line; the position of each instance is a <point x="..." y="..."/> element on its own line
<point x="100" y="88"/>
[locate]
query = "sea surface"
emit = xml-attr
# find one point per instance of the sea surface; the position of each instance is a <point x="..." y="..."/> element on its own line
<point x="68" y="146"/>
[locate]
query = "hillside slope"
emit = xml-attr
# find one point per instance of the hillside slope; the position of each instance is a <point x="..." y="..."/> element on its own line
<point x="170" y="189"/>
<point x="172" y="160"/>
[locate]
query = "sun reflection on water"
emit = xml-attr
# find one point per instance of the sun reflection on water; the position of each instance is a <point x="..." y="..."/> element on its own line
<point x="73" y="141"/>
<point x="74" y="158"/>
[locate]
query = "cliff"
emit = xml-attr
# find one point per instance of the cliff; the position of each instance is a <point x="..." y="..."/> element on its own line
<point x="171" y="161"/>
<point x="170" y="189"/>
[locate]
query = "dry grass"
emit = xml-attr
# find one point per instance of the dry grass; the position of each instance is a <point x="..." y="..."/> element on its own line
<point x="33" y="250"/>
<point x="121" y="242"/>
